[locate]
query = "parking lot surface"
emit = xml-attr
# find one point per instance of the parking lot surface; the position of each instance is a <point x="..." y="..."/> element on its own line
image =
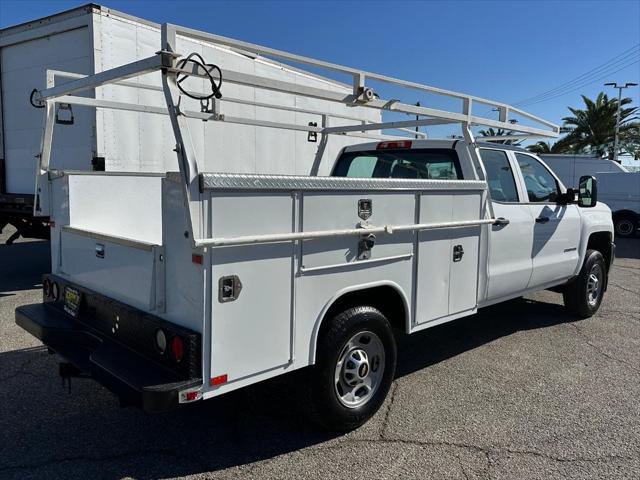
<point x="521" y="390"/>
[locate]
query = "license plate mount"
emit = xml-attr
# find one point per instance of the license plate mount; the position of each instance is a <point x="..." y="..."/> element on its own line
<point x="72" y="299"/>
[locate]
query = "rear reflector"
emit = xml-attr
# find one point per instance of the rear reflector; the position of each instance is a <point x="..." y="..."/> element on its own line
<point x="190" y="396"/>
<point x="197" y="259"/>
<point x="219" y="380"/>
<point x="394" y="144"/>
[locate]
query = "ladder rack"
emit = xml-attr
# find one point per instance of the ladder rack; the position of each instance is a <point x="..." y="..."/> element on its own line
<point x="361" y="96"/>
<point x="168" y="61"/>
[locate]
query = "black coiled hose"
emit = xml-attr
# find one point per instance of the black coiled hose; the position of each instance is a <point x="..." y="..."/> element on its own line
<point x="196" y="59"/>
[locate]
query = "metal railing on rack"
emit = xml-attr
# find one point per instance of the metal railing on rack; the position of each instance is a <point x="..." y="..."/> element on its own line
<point x="168" y="62"/>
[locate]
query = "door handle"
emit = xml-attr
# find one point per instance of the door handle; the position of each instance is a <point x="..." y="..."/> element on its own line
<point x="500" y="221"/>
<point x="542" y="219"/>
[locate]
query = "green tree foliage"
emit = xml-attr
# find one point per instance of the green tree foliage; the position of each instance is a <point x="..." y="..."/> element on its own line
<point x="500" y="133"/>
<point x="592" y="129"/>
<point x="545" y="147"/>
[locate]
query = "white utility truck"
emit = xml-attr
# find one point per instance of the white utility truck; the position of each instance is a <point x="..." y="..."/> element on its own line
<point x="172" y="288"/>
<point x="618" y="188"/>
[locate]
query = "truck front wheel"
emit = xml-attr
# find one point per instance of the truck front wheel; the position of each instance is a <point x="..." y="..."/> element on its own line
<point x="583" y="295"/>
<point x="624" y="225"/>
<point x="355" y="365"/>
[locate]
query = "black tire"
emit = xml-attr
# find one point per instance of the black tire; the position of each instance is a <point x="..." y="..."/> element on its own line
<point x="577" y="298"/>
<point x="625" y="225"/>
<point x="325" y="405"/>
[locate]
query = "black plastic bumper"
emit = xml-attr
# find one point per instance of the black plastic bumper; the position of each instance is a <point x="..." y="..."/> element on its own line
<point x="134" y="378"/>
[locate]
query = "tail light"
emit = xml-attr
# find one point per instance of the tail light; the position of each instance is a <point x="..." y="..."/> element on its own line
<point x="395" y="144"/>
<point x="177" y="348"/>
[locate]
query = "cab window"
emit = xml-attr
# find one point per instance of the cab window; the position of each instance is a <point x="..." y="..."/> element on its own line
<point x="541" y="185"/>
<point x="502" y="185"/>
<point x="432" y="163"/>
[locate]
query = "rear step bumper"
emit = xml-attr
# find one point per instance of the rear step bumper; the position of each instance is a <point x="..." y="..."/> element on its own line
<point x="135" y="379"/>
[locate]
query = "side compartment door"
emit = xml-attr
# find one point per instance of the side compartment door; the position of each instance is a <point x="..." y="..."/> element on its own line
<point x="447" y="259"/>
<point x="556" y="228"/>
<point x="252" y="288"/>
<point x="510" y="245"/>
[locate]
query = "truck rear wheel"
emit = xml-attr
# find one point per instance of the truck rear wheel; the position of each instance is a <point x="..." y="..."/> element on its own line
<point x="355" y="365"/>
<point x="583" y="295"/>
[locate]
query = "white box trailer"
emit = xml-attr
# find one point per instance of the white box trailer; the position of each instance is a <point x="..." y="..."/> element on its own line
<point x="93" y="38"/>
<point x="617" y="187"/>
<point x="174" y="287"/>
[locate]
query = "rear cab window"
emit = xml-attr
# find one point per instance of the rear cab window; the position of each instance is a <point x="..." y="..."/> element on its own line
<point x="416" y="163"/>
<point x="502" y="184"/>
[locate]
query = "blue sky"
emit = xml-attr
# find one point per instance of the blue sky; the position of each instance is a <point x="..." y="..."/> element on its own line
<point x="501" y="50"/>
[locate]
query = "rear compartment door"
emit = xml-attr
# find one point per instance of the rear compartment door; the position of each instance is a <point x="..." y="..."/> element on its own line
<point x="126" y="270"/>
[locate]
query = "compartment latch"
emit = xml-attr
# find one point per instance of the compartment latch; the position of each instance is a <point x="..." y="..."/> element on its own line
<point x="458" y="252"/>
<point x="229" y="288"/>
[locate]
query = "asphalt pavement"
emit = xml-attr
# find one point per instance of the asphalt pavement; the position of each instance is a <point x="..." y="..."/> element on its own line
<point x="520" y="391"/>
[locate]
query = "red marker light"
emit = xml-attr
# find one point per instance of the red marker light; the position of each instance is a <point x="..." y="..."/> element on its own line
<point x="197" y="259"/>
<point x="394" y="144"/>
<point x="191" y="396"/>
<point x="177" y="348"/>
<point x="219" y="380"/>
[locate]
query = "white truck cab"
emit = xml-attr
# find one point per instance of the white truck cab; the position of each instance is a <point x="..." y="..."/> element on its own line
<point x="187" y="285"/>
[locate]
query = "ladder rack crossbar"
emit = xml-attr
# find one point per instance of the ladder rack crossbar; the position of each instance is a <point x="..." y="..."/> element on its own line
<point x="226" y="99"/>
<point x="165" y="60"/>
<point x="358" y="75"/>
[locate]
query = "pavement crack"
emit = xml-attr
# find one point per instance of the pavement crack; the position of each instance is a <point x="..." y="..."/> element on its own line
<point x="21" y="370"/>
<point x="93" y="458"/>
<point x="625" y="315"/>
<point x="387" y="413"/>
<point x="555" y="458"/>
<point x="627" y="267"/>
<point x="623" y="288"/>
<point x="461" y="465"/>
<point x="487" y="451"/>
<point x="587" y="340"/>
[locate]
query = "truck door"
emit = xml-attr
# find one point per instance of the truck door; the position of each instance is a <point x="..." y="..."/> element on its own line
<point x="556" y="228"/>
<point x="509" y="244"/>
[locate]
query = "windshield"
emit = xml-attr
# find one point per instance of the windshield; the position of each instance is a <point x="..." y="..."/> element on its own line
<point x="431" y="163"/>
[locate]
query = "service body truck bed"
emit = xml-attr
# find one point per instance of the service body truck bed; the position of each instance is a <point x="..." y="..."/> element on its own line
<point x="191" y="284"/>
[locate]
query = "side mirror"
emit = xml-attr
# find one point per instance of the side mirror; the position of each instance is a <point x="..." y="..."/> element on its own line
<point x="567" y="197"/>
<point x="587" y="192"/>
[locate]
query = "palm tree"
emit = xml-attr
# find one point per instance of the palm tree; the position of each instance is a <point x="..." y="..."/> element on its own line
<point x="546" y="147"/>
<point x="592" y="129"/>
<point x="499" y="133"/>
